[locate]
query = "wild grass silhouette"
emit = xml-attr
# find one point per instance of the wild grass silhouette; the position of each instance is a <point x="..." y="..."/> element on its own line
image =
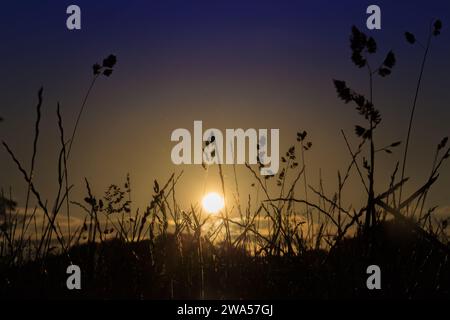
<point x="285" y="247"/>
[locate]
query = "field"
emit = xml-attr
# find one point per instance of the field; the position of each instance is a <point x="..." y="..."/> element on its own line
<point x="296" y="242"/>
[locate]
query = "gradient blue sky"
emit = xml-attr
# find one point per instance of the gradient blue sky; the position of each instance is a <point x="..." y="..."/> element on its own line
<point x="259" y="64"/>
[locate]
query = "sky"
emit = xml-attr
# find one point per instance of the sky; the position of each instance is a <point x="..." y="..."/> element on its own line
<point x="231" y="64"/>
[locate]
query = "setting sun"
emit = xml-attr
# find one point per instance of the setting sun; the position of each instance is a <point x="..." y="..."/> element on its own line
<point x="213" y="202"/>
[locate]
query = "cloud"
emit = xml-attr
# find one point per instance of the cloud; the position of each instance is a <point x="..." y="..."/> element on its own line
<point x="442" y="212"/>
<point x="34" y="221"/>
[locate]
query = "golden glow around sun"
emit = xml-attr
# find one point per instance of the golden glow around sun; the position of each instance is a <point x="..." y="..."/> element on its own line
<point x="213" y="202"/>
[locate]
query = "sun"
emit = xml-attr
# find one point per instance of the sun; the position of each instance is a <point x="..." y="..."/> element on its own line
<point x="213" y="202"/>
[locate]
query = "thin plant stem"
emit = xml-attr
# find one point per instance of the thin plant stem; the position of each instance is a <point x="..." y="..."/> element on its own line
<point x="411" y="118"/>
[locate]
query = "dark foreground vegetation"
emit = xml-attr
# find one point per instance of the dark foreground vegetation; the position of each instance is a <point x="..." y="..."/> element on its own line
<point x="412" y="268"/>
